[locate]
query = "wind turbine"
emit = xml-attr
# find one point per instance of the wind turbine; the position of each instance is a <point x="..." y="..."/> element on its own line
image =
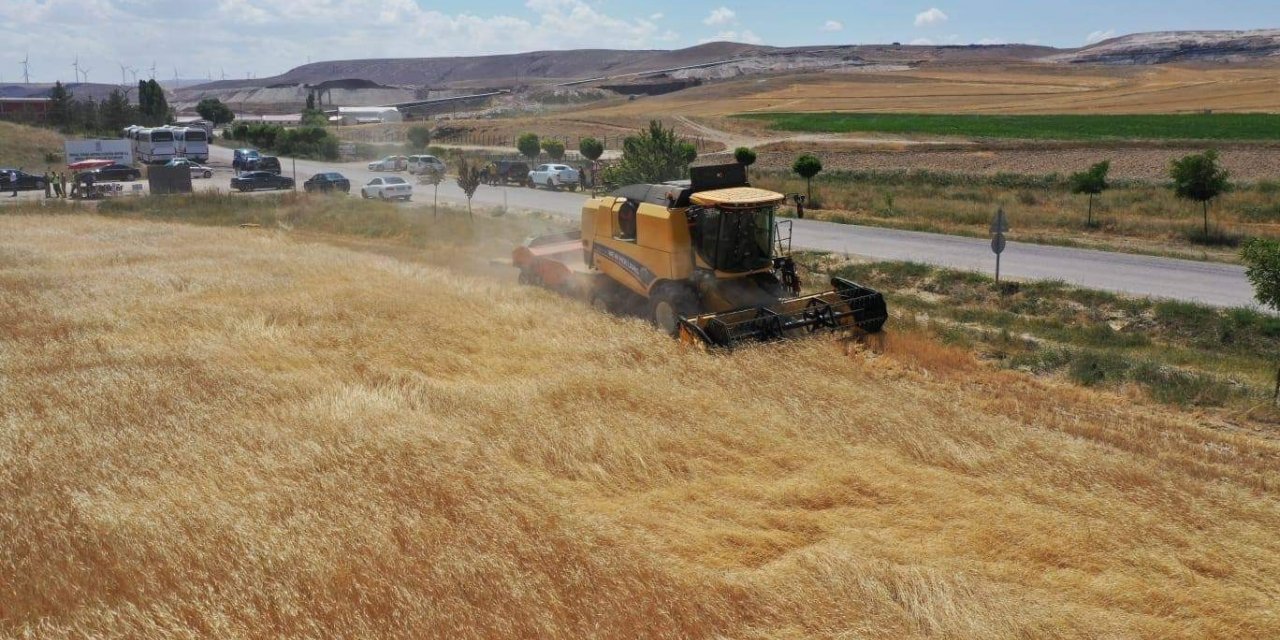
<point x="133" y="71"/>
<point x="124" y="75"/>
<point x="26" y="68"/>
<point x="153" y="70"/>
<point x="85" y="71"/>
<point x="224" y="73"/>
<point x="76" y="66"/>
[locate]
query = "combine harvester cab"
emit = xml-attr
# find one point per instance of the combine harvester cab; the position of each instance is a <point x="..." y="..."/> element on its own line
<point x="705" y="259"/>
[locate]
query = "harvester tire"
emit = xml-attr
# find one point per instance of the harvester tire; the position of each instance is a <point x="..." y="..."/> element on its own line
<point x="668" y="303"/>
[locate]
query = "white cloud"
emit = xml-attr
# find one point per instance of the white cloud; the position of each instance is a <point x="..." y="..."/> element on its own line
<point x="656" y="17"/>
<point x="267" y="37"/>
<point x="832" y="25"/>
<point x="720" y="16"/>
<point x="931" y="17"/>
<point x="991" y="41"/>
<point x="1099" y="36"/>
<point x="745" y="36"/>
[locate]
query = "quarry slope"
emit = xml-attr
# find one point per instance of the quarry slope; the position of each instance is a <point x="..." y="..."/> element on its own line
<point x="230" y="433"/>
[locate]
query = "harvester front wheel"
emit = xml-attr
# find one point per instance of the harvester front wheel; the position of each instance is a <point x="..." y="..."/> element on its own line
<point x="668" y="303"/>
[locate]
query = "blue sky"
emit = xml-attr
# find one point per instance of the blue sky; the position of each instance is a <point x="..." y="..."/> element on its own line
<point x="239" y="38"/>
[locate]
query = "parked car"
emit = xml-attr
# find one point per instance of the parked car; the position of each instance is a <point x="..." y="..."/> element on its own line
<point x="116" y="173"/>
<point x="331" y="181"/>
<point x="245" y="159"/>
<point x="554" y="176"/>
<point x="391" y="188"/>
<point x="197" y="170"/>
<point x="254" y="180"/>
<point x="390" y="163"/>
<point x="268" y="163"/>
<point x="426" y="164"/>
<point x="506" y="172"/>
<point x="26" y="181"/>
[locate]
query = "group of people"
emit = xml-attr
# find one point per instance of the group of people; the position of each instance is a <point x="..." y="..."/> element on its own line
<point x="55" y="184"/>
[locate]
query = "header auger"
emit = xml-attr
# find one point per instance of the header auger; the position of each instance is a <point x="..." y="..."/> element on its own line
<point x="705" y="259"/>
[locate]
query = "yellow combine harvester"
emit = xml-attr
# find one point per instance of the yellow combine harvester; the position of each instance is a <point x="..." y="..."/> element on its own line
<point x="705" y="259"/>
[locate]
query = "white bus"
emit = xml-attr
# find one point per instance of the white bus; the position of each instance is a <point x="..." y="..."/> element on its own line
<point x="156" y="146"/>
<point x="191" y="143"/>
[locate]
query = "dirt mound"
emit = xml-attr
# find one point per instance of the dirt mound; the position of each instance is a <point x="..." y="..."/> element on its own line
<point x="1179" y="46"/>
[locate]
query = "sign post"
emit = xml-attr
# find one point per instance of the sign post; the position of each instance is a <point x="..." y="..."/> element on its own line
<point x="999" y="225"/>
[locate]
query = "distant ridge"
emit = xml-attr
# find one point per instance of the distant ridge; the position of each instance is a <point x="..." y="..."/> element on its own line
<point x="1179" y="46"/>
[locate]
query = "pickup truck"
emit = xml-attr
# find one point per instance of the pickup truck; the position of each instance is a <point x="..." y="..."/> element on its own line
<point x="554" y="176"/>
<point x="390" y="188"/>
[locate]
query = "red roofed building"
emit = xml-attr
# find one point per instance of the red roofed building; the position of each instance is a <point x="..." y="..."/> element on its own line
<point x="24" y="109"/>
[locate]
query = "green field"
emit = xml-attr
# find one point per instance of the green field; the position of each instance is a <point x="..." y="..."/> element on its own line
<point x="1226" y="126"/>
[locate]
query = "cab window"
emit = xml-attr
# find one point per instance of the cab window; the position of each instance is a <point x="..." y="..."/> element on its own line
<point x="626" y="221"/>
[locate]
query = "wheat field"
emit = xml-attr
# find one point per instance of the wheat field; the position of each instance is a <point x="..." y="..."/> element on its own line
<point x="233" y="433"/>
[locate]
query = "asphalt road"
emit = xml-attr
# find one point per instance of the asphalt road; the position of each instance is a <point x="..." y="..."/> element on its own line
<point x="1207" y="282"/>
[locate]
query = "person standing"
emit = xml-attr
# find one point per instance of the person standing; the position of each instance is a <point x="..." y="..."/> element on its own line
<point x="13" y="183"/>
<point x="48" y="184"/>
<point x="62" y="184"/>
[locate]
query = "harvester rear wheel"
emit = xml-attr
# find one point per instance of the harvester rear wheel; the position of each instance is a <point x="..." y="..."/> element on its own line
<point x="670" y="302"/>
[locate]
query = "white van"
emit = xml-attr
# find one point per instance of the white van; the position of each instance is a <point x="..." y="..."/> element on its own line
<point x="424" y="164"/>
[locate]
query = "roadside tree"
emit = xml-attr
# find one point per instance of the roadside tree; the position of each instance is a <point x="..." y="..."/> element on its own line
<point x="434" y="178"/>
<point x="469" y="180"/>
<point x="807" y="166"/>
<point x="554" y="149"/>
<point x="1200" y="178"/>
<point x="213" y="110"/>
<point x="529" y="146"/>
<point x="590" y="148"/>
<point x="419" y="137"/>
<point x="1261" y="257"/>
<point x="653" y="155"/>
<point x="744" y="156"/>
<point x="1092" y="182"/>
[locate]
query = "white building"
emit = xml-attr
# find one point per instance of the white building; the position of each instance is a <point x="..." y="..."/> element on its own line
<point x="364" y="115"/>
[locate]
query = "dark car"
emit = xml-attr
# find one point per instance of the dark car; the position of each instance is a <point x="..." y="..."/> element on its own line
<point x="327" y="182"/>
<point x="245" y="159"/>
<point x="506" y="172"/>
<point x="267" y="163"/>
<point x="253" y="180"/>
<point x="26" y="181"/>
<point x="117" y="173"/>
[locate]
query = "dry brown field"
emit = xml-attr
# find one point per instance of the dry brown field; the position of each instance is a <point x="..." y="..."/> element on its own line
<point x="234" y="433"/>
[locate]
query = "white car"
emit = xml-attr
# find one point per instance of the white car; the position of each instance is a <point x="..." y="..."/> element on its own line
<point x="554" y="176"/>
<point x="390" y="163"/>
<point x="426" y="164"/>
<point x="197" y="170"/>
<point x="390" y="188"/>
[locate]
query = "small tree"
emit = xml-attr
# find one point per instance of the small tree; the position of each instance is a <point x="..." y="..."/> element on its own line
<point x="1262" y="261"/>
<point x="1092" y="182"/>
<point x="807" y="166"/>
<point x="688" y="152"/>
<point x="60" y="105"/>
<point x="529" y="146"/>
<point x="434" y="178"/>
<point x="590" y="148"/>
<point x="653" y="155"/>
<point x="213" y="110"/>
<point x="311" y="101"/>
<point x="419" y="137"/>
<point x="1199" y="177"/>
<point x="469" y="179"/>
<point x="744" y="156"/>
<point x="554" y="149"/>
